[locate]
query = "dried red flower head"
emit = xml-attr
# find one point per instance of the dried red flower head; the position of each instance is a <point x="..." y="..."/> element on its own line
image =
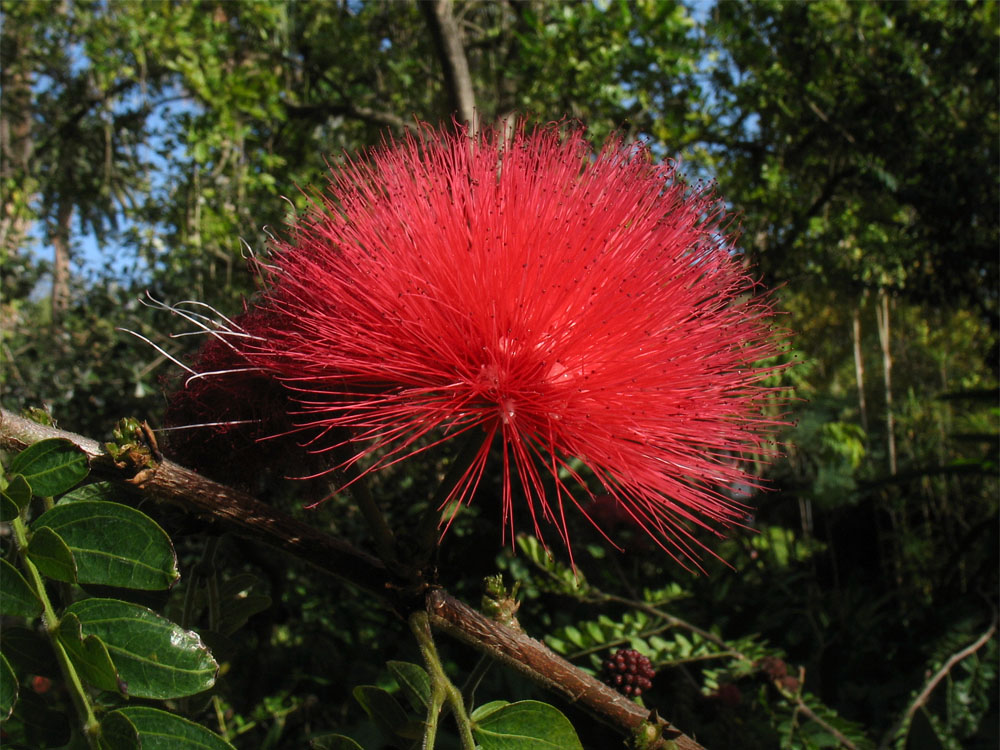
<point x="586" y="314"/>
<point x="628" y="672"/>
<point x="223" y="419"/>
<point x="773" y="667"/>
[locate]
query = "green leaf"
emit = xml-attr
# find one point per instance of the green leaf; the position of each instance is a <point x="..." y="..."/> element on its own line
<point x="154" y="657"/>
<point x="525" y="725"/>
<point x="51" y="466"/>
<point x="113" y="544"/>
<point x="414" y="682"/>
<point x="333" y="742"/>
<point x="157" y="730"/>
<point x="93" y="491"/>
<point x="487" y="708"/>
<point x="15" y="498"/>
<point x="575" y="636"/>
<point x="118" y="733"/>
<point x="89" y="655"/>
<point x="556" y="644"/>
<point x="8" y="689"/>
<point x="594" y="631"/>
<point x="18" y="599"/>
<point x="382" y="708"/>
<point x="51" y="555"/>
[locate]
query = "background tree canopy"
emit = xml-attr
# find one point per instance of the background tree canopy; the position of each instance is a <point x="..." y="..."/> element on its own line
<point x="146" y="145"/>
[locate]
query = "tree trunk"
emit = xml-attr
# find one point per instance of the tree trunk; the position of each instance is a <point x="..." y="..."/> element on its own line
<point x="455" y="66"/>
<point x="60" y="261"/>
<point x="16" y="142"/>
<point x="882" y="317"/>
<point x="859" y="364"/>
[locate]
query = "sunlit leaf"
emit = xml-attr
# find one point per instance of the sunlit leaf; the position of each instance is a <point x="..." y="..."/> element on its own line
<point x="113" y="544"/>
<point x="51" y="466"/>
<point x="525" y="725"/>
<point x="158" y="730"/>
<point x="93" y="491"/>
<point x="154" y="657"/>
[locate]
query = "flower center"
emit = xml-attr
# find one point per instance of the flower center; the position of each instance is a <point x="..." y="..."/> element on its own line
<point x="507" y="410"/>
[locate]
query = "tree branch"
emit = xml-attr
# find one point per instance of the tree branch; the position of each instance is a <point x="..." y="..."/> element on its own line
<point x="934" y="681"/>
<point x="250" y="518"/>
<point x="537" y="662"/>
<point x="350" y="109"/>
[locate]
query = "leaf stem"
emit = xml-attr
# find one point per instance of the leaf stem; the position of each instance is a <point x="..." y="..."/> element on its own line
<point x="478" y="672"/>
<point x="50" y="620"/>
<point x="442" y="688"/>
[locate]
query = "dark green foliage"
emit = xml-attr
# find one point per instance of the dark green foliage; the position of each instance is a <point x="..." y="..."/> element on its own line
<point x="105" y="649"/>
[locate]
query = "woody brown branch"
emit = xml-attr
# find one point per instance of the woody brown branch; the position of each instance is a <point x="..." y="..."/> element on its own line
<point x="241" y="513"/>
<point x="248" y="517"/>
<point x="534" y="660"/>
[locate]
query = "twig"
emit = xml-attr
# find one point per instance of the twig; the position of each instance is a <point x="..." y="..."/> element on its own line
<point x="801" y="707"/>
<point x="672" y="620"/>
<point x="351" y="109"/>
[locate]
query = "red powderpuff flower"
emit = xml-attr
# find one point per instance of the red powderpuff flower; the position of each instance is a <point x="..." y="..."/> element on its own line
<point x="586" y="313"/>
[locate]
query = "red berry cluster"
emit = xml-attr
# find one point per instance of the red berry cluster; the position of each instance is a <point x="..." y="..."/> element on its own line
<point x="628" y="672"/>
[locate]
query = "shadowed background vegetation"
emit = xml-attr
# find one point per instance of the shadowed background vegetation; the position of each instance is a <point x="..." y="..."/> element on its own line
<point x="145" y="145"/>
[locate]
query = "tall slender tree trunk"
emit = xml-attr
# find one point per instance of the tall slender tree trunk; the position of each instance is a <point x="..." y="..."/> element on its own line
<point x="16" y="142"/>
<point x="882" y="318"/>
<point x="60" y="261"/>
<point x="896" y="515"/>
<point x="859" y="363"/>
